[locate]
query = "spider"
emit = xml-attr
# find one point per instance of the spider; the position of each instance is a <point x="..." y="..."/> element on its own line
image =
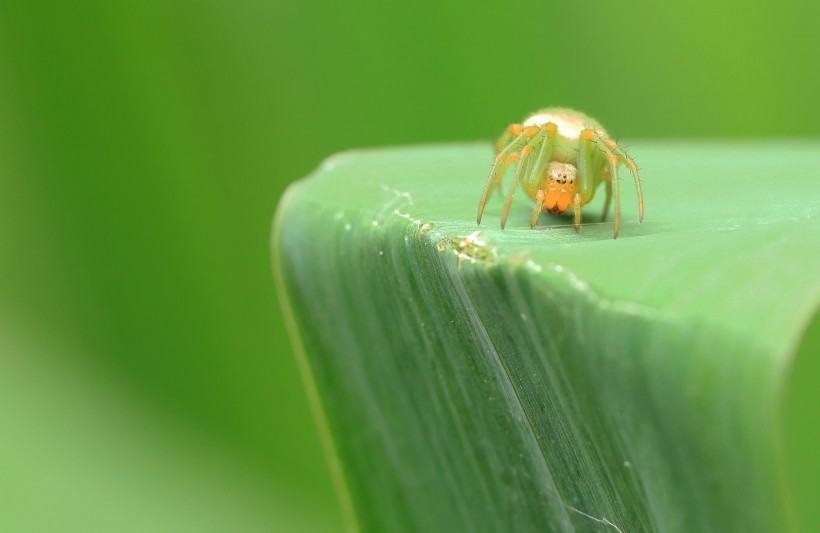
<point x="560" y="157"/>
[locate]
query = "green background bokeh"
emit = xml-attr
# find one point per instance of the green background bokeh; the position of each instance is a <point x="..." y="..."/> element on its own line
<point x="147" y="381"/>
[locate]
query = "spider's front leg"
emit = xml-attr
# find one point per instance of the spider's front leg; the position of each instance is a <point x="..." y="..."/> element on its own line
<point x="602" y="144"/>
<point x="588" y="177"/>
<point x="607" y="200"/>
<point x="521" y="144"/>
<point x="614" y="156"/>
<point x="506" y="154"/>
<point x="512" y="131"/>
<point x="633" y="169"/>
<point x="528" y="171"/>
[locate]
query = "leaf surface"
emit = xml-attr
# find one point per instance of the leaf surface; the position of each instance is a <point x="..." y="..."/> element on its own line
<point x="548" y="380"/>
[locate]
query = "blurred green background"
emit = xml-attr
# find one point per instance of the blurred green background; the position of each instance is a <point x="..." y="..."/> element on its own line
<point x="146" y="381"/>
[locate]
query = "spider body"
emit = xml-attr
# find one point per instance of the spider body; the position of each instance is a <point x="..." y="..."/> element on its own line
<point x="560" y="157"/>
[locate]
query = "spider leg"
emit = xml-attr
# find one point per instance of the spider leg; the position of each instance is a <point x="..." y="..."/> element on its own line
<point x="603" y="145"/>
<point x="536" y="136"/>
<point x="512" y="131"/>
<point x="633" y="169"/>
<point x="535" y="170"/>
<point x="607" y="201"/>
<point x="588" y="178"/>
<point x="539" y="204"/>
<point x="576" y="207"/>
<point x="502" y="160"/>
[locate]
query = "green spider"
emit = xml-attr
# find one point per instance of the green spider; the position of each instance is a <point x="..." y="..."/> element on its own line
<point x="560" y="156"/>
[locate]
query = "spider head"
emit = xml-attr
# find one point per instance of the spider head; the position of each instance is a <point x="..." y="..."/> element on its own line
<point x="560" y="187"/>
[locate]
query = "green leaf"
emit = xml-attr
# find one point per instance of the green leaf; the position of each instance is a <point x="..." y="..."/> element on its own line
<point x="548" y="380"/>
